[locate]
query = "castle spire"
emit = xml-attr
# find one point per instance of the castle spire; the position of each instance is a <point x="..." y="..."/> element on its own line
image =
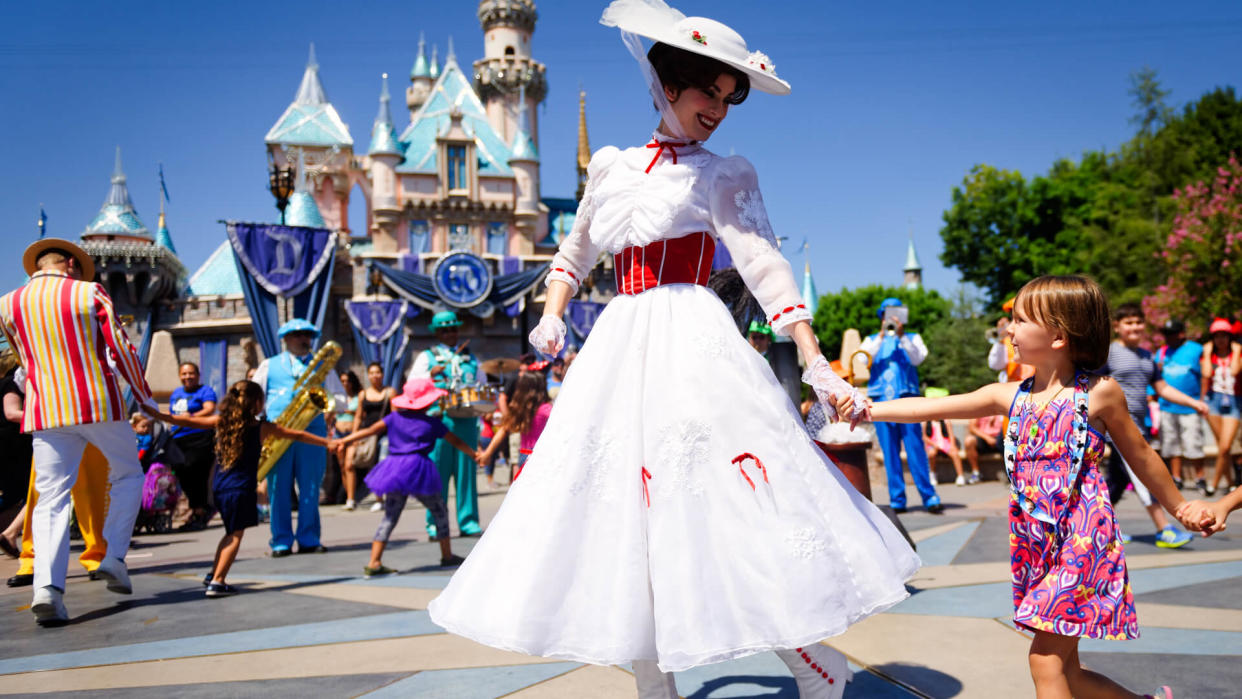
<point x="913" y="270"/>
<point x="421" y="69"/>
<point x="435" y="62"/>
<point x="383" y="137"/>
<point x="117" y="216"/>
<point x="584" y="144"/>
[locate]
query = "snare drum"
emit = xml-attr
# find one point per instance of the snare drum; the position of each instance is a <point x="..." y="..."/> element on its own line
<point x="472" y="401"/>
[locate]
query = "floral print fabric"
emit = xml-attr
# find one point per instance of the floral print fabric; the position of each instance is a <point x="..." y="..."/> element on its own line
<point x="1070" y="577"/>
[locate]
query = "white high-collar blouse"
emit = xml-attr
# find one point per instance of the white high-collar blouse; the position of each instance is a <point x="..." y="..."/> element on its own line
<point x="637" y="196"/>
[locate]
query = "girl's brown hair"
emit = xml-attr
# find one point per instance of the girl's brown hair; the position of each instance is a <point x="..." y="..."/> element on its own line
<point x="238" y="410"/>
<point x="529" y="392"/>
<point x="1076" y="306"/>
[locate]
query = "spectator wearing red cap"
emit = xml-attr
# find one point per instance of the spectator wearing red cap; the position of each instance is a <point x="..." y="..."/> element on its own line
<point x="1222" y="361"/>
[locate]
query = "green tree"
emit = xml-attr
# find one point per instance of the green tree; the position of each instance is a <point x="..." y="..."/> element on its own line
<point x="856" y="308"/>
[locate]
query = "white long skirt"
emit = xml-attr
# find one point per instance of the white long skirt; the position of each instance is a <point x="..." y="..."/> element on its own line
<point x="635" y="533"/>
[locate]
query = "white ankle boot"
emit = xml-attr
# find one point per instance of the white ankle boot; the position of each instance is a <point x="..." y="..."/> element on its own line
<point x="652" y="683"/>
<point x="820" y="671"/>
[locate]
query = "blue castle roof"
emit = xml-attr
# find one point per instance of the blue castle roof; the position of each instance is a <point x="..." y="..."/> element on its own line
<point x="310" y="120"/>
<point x="421" y="68"/>
<point x="383" y="136"/>
<point x="451" y="91"/>
<point x="217" y="276"/>
<point x="163" y="237"/>
<point x="117" y="215"/>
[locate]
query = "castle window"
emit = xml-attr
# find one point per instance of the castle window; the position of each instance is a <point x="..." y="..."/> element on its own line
<point x="457" y="168"/>
<point x="509" y="51"/>
<point x="497" y="238"/>
<point x="459" y="237"/>
<point x="420" y="237"/>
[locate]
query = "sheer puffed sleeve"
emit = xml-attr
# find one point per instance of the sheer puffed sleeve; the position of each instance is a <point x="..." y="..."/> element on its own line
<point x="577" y="254"/>
<point x="742" y="225"/>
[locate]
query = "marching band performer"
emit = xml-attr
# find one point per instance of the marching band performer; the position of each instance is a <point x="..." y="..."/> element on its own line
<point x="303" y="464"/>
<point x="62" y="326"/>
<point x="451" y="366"/>
<point x="675" y="512"/>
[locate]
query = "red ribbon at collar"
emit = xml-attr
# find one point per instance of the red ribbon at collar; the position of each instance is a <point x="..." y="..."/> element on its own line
<point x="661" y="145"/>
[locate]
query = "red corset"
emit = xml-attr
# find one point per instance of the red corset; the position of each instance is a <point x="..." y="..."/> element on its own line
<point x="685" y="260"/>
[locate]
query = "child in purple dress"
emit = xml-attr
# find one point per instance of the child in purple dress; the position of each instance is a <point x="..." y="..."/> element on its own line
<point x="408" y="470"/>
<point x="1068" y="565"/>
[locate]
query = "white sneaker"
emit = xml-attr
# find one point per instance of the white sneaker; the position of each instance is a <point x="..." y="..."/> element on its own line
<point x="377" y="506"/>
<point x="820" y="671"/>
<point x="932" y="477"/>
<point x="961" y="480"/>
<point x="348" y="506"/>
<point x="114" y="571"/>
<point x="48" y="606"/>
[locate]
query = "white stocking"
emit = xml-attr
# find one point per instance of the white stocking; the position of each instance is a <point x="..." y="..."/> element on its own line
<point x="652" y="683"/>
<point x="820" y="671"/>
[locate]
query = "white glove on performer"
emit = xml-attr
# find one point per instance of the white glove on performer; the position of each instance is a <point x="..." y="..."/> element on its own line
<point x="820" y="376"/>
<point x="549" y="336"/>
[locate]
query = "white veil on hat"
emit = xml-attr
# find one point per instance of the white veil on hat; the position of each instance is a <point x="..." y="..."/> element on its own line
<point x="657" y="21"/>
<point x="643" y="12"/>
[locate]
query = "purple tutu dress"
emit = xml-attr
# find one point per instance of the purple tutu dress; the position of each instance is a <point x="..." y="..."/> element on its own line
<point x="408" y="469"/>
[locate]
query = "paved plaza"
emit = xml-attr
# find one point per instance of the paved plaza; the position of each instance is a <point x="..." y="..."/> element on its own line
<point x="313" y="626"/>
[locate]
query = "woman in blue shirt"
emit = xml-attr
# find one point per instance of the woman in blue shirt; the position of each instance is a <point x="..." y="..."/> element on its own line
<point x="192" y="399"/>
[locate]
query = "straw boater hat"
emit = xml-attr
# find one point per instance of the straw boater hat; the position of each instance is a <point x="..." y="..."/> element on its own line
<point x="659" y="22"/>
<point x="418" y="394"/>
<point x="37" y="248"/>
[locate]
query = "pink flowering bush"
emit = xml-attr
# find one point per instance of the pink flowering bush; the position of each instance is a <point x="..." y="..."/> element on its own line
<point x="1203" y="254"/>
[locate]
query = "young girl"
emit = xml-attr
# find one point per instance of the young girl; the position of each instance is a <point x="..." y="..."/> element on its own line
<point x="408" y="470"/>
<point x="1222" y="361"/>
<point x="1069" y="572"/>
<point x="240" y="433"/>
<point x="345" y="422"/>
<point x="675" y="512"/>
<point x="374" y="403"/>
<point x="527" y="415"/>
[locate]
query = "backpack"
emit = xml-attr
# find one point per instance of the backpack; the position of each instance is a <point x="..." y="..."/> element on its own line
<point x="160" y="490"/>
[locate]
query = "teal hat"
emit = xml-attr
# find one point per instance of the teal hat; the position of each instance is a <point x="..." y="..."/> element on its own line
<point x="297" y="325"/>
<point x="890" y="301"/>
<point x="444" y="319"/>
<point x="761" y="328"/>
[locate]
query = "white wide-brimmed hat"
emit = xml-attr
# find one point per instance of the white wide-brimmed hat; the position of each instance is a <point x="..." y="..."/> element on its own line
<point x="657" y="21"/>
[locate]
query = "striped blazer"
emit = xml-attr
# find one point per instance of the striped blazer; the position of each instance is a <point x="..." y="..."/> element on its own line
<point x="64" y="331"/>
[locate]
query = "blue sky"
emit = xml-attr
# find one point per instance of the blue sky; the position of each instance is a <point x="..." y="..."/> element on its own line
<point x="892" y="103"/>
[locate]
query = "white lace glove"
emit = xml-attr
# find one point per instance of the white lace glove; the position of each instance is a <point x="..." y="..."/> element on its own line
<point x="820" y="376"/>
<point x="549" y="336"/>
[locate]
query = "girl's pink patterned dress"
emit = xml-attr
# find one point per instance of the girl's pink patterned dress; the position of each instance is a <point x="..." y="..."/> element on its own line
<point x="1074" y="584"/>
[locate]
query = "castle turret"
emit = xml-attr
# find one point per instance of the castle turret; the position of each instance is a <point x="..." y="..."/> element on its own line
<point x="507" y="79"/>
<point x="311" y="129"/>
<point x="384" y="154"/>
<point x="584" y="145"/>
<point x="913" y="270"/>
<point x="117" y="219"/>
<point x="420" y="80"/>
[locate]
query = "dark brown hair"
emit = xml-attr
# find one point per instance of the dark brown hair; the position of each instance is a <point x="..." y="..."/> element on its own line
<point x="529" y="392"/>
<point x="1076" y="306"/>
<point x="238" y="410"/>
<point x="1128" y="310"/>
<point x="353" y="385"/>
<point x="681" y="69"/>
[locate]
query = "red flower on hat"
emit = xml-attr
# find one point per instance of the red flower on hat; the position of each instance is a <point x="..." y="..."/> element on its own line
<point x="698" y="37"/>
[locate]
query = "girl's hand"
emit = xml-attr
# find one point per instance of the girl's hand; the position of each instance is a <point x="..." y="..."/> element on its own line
<point x="1219" y="511"/>
<point x="830" y="389"/>
<point x="1198" y="516"/>
<point x="549" y="336"/>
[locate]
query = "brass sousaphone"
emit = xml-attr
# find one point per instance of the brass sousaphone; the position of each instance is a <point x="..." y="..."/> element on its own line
<point x="309" y="400"/>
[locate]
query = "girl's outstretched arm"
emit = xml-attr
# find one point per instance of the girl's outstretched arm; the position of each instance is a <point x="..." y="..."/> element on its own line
<point x="1108" y="405"/>
<point x="377" y="427"/>
<point x="271" y="429"/>
<point x="204" y="422"/>
<point x="460" y="445"/>
<point x="501" y="434"/>
<point x="992" y="399"/>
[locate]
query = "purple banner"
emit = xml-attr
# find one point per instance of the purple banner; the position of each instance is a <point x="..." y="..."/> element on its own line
<point x="580" y="318"/>
<point x="284" y="260"/>
<point x="377" y="320"/>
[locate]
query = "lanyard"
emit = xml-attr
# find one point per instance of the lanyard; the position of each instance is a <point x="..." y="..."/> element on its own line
<point x="1078" y="447"/>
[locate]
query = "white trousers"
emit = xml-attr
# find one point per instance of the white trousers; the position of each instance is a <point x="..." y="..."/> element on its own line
<point x="57" y="456"/>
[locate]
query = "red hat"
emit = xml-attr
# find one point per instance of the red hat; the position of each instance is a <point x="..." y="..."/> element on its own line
<point x="1237" y="327"/>
<point x="418" y="394"/>
<point x="1220" y="325"/>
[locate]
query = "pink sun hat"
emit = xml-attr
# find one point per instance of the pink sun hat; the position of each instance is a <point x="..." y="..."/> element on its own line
<point x="1220" y="325"/>
<point x="418" y="394"/>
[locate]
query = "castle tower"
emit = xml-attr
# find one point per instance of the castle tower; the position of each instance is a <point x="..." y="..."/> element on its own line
<point x="117" y="220"/>
<point x="311" y="132"/>
<point x="525" y="164"/>
<point x="913" y="270"/>
<point x="420" y="80"/>
<point x="383" y="155"/>
<point x="507" y="79"/>
<point x="584" y="145"/>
